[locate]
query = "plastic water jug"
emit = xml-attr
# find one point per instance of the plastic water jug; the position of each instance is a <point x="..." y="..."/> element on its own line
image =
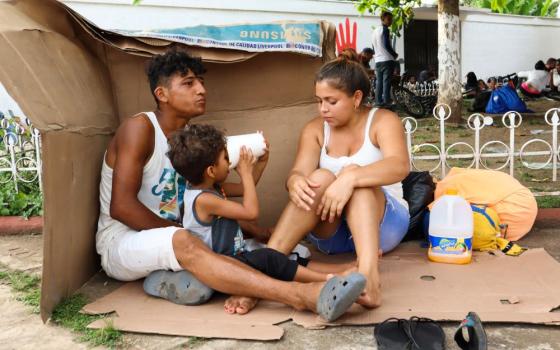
<point x="451" y="229"/>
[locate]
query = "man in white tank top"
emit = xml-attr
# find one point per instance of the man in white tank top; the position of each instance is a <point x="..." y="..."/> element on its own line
<point x="139" y="232"/>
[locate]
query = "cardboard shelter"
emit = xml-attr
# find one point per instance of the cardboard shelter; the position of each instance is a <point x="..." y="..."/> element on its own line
<point x="76" y="83"/>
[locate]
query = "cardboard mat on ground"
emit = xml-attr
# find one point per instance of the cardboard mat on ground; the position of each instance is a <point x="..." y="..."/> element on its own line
<point x="77" y="83"/>
<point x="498" y="287"/>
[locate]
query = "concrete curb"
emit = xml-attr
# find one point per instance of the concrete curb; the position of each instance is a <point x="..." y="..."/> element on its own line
<point x="548" y="217"/>
<point x="15" y="225"/>
<point x="548" y="214"/>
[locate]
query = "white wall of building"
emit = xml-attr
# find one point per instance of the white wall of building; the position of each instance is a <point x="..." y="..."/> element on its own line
<point x="497" y="45"/>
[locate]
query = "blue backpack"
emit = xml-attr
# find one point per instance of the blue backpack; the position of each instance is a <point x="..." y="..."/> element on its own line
<point x="505" y="99"/>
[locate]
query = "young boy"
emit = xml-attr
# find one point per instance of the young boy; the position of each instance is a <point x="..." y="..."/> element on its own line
<point x="199" y="154"/>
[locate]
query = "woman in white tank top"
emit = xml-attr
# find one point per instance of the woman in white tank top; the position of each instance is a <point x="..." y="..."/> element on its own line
<point x="344" y="187"/>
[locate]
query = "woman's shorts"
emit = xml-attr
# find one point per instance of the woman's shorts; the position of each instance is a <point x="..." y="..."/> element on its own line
<point x="392" y="230"/>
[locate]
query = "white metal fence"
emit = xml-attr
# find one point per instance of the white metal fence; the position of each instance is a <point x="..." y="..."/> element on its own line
<point x="423" y="89"/>
<point x="20" y="147"/>
<point x="20" y="152"/>
<point x="478" y="154"/>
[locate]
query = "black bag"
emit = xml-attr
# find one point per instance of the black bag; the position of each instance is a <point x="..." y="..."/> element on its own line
<point x="480" y="102"/>
<point x="418" y="191"/>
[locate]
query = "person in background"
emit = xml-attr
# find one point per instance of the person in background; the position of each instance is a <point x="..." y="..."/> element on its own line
<point x="556" y="76"/>
<point x="471" y="87"/>
<point x="384" y="58"/>
<point x="427" y="75"/>
<point x="551" y="64"/>
<point x="485" y="92"/>
<point x="365" y="57"/>
<point x="554" y="79"/>
<point x="482" y="85"/>
<point x="536" y="80"/>
<point x="492" y="83"/>
<point x="411" y="82"/>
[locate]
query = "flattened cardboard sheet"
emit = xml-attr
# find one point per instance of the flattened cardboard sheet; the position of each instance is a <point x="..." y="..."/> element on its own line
<point x="524" y="289"/>
<point x="139" y="312"/>
<point x="499" y="288"/>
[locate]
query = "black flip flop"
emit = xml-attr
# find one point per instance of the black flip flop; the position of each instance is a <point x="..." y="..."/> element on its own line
<point x="477" y="336"/>
<point x="413" y="334"/>
<point x="392" y="334"/>
<point x="427" y="334"/>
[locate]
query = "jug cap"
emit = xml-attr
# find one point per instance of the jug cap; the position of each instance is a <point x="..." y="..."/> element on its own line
<point x="451" y="191"/>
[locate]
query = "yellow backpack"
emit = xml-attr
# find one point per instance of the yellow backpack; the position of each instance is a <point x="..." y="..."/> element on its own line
<point x="487" y="232"/>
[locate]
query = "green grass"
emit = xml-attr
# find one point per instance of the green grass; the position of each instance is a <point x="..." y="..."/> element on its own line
<point x="25" y="286"/>
<point x="548" y="201"/>
<point x="67" y="314"/>
<point x="194" y="342"/>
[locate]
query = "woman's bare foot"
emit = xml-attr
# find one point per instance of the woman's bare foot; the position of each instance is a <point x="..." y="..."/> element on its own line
<point x="371" y="297"/>
<point x="350" y="269"/>
<point x="240" y="305"/>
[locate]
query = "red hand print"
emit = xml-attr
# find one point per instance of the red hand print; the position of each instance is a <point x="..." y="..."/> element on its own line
<point x="343" y="41"/>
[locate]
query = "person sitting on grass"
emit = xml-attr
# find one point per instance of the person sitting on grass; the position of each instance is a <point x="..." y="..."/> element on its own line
<point x="536" y="80"/>
<point x="482" y="85"/>
<point x="199" y="154"/>
<point x="492" y="83"/>
<point x="554" y="82"/>
<point x="471" y="87"/>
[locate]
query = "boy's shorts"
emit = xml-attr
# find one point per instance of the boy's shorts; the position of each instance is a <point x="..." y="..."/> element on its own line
<point x="132" y="255"/>
<point x="392" y="230"/>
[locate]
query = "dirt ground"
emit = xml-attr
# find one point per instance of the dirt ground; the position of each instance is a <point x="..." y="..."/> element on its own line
<point x="20" y="329"/>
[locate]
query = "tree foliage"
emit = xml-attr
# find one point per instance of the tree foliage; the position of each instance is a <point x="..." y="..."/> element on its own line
<point x="402" y="10"/>
<point x="542" y="8"/>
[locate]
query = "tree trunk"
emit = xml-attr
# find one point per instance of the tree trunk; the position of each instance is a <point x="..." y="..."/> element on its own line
<point x="449" y="57"/>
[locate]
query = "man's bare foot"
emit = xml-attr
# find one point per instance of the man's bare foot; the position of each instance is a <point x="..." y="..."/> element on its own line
<point x="239" y="305"/>
<point x="306" y="295"/>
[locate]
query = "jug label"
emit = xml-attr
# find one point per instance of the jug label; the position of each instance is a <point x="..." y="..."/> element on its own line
<point x="454" y="246"/>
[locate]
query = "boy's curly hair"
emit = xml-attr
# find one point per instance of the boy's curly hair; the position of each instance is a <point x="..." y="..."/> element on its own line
<point x="174" y="61"/>
<point x="195" y="148"/>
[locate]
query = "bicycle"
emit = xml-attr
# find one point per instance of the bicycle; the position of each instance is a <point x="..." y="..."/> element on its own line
<point x="418" y="102"/>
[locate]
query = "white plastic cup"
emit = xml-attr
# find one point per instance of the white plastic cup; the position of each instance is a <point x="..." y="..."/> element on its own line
<point x="254" y="141"/>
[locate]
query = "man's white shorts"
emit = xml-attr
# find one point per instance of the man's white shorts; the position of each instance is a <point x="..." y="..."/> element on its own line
<point x="132" y="255"/>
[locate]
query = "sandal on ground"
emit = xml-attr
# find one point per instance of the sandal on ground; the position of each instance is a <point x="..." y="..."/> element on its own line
<point x="338" y="294"/>
<point x="392" y="334"/>
<point x="426" y="333"/>
<point x="413" y="334"/>
<point x="476" y="334"/>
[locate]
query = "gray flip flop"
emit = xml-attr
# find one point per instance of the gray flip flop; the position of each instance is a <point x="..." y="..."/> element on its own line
<point x="338" y="294"/>
<point x="178" y="287"/>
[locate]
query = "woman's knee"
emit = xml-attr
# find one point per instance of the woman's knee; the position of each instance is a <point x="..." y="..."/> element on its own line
<point x="323" y="177"/>
<point x="370" y="200"/>
<point x="373" y="195"/>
